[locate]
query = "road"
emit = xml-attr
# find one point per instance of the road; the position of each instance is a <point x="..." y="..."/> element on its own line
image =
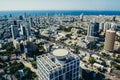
<point x="28" y="64"/>
<point x="81" y="49"/>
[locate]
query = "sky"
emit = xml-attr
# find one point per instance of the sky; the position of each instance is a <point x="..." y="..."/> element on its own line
<point x="59" y="5"/>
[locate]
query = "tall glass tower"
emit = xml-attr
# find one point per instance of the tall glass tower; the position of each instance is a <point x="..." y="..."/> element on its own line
<point x="93" y="29"/>
<point x="15" y="32"/>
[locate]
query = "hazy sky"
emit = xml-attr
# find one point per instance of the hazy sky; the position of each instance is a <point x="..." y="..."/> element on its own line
<point x="59" y="4"/>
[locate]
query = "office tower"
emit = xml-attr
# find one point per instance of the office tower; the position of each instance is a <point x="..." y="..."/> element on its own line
<point x="15" y="32"/>
<point x="114" y="18"/>
<point x="109" y="40"/>
<point x="23" y="31"/>
<point x="28" y="27"/>
<point x="58" y="65"/>
<point x="107" y="26"/>
<point x="28" y="31"/>
<point x="30" y="22"/>
<point x="101" y="26"/>
<point x="113" y="26"/>
<point x="20" y="17"/>
<point x="25" y="15"/>
<point x="10" y="15"/>
<point x="93" y="29"/>
<point x="81" y="17"/>
<point x="14" y="22"/>
<point x="47" y="15"/>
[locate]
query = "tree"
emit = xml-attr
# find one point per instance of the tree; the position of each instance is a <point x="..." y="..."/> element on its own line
<point x="68" y="35"/>
<point x="117" y="60"/>
<point x="105" y="55"/>
<point x="16" y="74"/>
<point x="103" y="63"/>
<point x="99" y="76"/>
<point x="116" y="66"/>
<point x="91" y="60"/>
<point x="15" y="67"/>
<point x="118" y="38"/>
<point x="1" y="65"/>
<point x="9" y="49"/>
<point x="15" y="51"/>
<point x="101" y="47"/>
<point x="0" y="59"/>
<point x="34" y="64"/>
<point x="107" y="79"/>
<point x="29" y="74"/>
<point x="65" y="29"/>
<point x="76" y="47"/>
<point x="99" y="69"/>
<point x="92" y="45"/>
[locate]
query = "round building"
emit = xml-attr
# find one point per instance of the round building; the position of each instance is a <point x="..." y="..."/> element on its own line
<point x="109" y="40"/>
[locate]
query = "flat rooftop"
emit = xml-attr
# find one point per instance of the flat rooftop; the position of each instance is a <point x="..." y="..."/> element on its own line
<point x="60" y="52"/>
<point x="56" y="59"/>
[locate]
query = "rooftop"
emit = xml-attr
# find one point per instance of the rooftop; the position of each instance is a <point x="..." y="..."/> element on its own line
<point x="60" y="52"/>
<point x="111" y="31"/>
<point x="58" y="57"/>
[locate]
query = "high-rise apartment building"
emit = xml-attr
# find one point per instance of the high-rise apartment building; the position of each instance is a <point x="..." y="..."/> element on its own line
<point x="81" y="17"/>
<point x="15" y="32"/>
<point x="30" y="22"/>
<point x="107" y="26"/>
<point x="58" y="65"/>
<point x="28" y="27"/>
<point x="93" y="29"/>
<point x="113" y="26"/>
<point x="109" y="40"/>
<point x="23" y="31"/>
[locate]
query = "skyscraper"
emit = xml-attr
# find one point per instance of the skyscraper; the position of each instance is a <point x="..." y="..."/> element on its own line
<point x="81" y="17"/>
<point x="114" y="26"/>
<point x="28" y="27"/>
<point x="109" y="40"/>
<point x="23" y="31"/>
<point x="14" y="22"/>
<point x="101" y="27"/>
<point x="20" y="17"/>
<point x="30" y="22"/>
<point x="93" y="29"/>
<point x="15" y="32"/>
<point x="107" y="26"/>
<point x="58" y="65"/>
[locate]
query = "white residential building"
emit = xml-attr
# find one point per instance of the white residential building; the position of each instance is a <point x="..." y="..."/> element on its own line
<point x="58" y="65"/>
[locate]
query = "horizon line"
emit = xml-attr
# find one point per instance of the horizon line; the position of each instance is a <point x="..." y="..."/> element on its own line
<point x="59" y="10"/>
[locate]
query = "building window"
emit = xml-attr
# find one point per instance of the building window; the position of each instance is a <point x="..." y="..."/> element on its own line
<point x="51" y="76"/>
<point x="60" y="77"/>
<point x="56" y="73"/>
<point x="74" y="70"/>
<point x="74" y="66"/>
<point x="77" y="69"/>
<point x="67" y="68"/>
<point x="64" y="70"/>
<point x="60" y="72"/>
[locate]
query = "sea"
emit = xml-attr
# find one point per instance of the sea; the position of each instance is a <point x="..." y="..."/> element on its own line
<point x="59" y="12"/>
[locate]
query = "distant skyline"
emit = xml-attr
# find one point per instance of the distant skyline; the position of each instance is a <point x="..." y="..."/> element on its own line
<point x="59" y="5"/>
